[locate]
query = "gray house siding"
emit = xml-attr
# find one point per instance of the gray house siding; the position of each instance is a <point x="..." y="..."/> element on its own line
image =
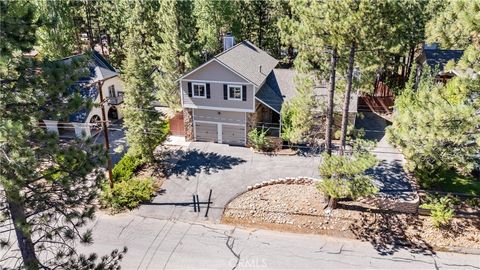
<point x="214" y="71"/>
<point x="219" y="116"/>
<point x="216" y="99"/>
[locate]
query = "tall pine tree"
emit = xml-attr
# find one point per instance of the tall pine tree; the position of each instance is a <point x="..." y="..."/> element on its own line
<point x="47" y="186"/>
<point x="145" y="127"/>
<point x="178" y="50"/>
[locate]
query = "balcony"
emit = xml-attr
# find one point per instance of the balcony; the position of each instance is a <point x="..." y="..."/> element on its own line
<point x="115" y="100"/>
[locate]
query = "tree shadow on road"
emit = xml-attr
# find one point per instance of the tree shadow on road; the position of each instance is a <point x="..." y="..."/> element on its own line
<point x="388" y="233"/>
<point x="193" y="162"/>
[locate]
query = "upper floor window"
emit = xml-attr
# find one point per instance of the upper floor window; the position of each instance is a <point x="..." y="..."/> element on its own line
<point x="235" y="92"/>
<point x="199" y="90"/>
<point x="111" y="91"/>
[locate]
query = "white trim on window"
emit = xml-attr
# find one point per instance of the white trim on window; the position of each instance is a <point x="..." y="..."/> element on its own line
<point x="204" y="90"/>
<point x="234" y="86"/>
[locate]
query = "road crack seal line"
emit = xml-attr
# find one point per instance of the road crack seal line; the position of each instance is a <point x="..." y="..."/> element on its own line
<point x="175" y="248"/>
<point x="174" y="221"/>
<point x="125" y="227"/>
<point x="230" y="243"/>
<point x="153" y="241"/>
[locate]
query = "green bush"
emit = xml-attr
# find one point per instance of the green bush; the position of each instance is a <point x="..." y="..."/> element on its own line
<point x="128" y="194"/>
<point x="359" y="186"/>
<point x="441" y="210"/>
<point x="258" y="138"/>
<point x="126" y="167"/>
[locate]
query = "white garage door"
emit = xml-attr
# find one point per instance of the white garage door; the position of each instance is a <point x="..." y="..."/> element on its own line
<point x="233" y="134"/>
<point x="206" y="132"/>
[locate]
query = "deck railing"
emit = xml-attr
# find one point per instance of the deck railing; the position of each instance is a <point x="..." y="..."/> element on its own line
<point x="115" y="100"/>
<point x="273" y="129"/>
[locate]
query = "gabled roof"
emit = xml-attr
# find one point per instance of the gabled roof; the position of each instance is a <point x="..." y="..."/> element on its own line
<point x="98" y="69"/>
<point x="247" y="60"/>
<point x="439" y="58"/>
<point x="280" y="87"/>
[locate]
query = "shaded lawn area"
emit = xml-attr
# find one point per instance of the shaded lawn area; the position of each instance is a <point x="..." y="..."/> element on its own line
<point x="457" y="183"/>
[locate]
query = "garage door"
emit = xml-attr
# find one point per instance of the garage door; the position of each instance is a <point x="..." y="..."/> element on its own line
<point x="233" y="134"/>
<point x="206" y="132"/>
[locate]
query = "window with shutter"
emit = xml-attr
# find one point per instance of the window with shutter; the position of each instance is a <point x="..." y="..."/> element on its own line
<point x="235" y="92"/>
<point x="189" y="89"/>
<point x="199" y="90"/>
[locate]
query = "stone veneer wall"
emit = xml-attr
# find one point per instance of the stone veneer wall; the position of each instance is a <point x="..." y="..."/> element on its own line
<point x="251" y="123"/>
<point x="188" y="120"/>
<point x="303" y="180"/>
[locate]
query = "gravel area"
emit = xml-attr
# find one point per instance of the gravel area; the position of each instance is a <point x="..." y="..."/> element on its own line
<point x="300" y="208"/>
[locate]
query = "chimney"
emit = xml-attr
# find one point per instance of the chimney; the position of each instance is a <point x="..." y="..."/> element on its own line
<point x="260" y="68"/>
<point x="228" y="41"/>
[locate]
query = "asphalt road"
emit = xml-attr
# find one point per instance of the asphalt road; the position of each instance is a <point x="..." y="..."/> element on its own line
<point x="170" y="244"/>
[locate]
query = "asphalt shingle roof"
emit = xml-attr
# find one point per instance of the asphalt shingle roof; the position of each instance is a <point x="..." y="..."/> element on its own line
<point x="437" y="57"/>
<point x="280" y="87"/>
<point x="246" y="59"/>
<point x="99" y="69"/>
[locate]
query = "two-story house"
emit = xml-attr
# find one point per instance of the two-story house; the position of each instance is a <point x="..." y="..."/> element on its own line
<point x="236" y="91"/>
<point x="102" y="77"/>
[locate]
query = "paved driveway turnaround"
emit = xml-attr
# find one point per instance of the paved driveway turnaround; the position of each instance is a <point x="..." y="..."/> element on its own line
<point x="227" y="170"/>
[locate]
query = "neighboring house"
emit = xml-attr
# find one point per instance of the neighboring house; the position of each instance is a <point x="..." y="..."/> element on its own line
<point x="437" y="59"/>
<point x="236" y="91"/>
<point x="86" y="122"/>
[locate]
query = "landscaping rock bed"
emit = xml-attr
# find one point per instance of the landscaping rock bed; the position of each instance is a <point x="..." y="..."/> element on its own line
<point x="300" y="208"/>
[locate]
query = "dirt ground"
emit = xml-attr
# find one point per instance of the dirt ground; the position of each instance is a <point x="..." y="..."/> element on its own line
<point x="300" y="208"/>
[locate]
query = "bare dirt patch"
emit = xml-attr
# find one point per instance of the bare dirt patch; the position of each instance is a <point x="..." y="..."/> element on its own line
<point x="300" y="208"/>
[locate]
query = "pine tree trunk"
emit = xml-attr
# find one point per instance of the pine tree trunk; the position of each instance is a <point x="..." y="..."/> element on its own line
<point x="332" y="203"/>
<point x="331" y="93"/>
<point x="346" y="102"/>
<point x="89" y="25"/>
<point x="411" y="54"/>
<point x="19" y="220"/>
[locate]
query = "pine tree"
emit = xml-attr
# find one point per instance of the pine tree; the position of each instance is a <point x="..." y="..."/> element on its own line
<point x="298" y="112"/>
<point x="309" y="30"/>
<point x="436" y="127"/>
<point x="48" y="187"/>
<point x="259" y="23"/>
<point x="145" y="127"/>
<point x="178" y="51"/>
<point x="59" y="37"/>
<point x="112" y="21"/>
<point x="344" y="176"/>
<point x="214" y="19"/>
<point x="455" y="25"/>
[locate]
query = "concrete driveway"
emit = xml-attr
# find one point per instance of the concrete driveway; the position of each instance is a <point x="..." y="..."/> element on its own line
<point x="227" y="170"/>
